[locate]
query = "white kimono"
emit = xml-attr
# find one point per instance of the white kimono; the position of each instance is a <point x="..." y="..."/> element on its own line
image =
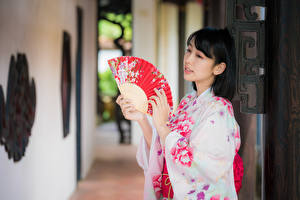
<point x="199" y="152"/>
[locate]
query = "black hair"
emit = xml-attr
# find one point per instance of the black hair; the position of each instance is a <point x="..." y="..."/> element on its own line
<point x="219" y="45"/>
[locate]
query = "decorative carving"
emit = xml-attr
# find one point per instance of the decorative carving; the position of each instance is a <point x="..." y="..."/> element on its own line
<point x="66" y="82"/>
<point x="249" y="34"/>
<point x="19" y="111"/>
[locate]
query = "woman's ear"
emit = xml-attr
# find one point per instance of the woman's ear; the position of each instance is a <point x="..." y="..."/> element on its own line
<point x="219" y="68"/>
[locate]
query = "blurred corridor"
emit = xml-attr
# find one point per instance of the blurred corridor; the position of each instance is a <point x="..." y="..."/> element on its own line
<point x="115" y="174"/>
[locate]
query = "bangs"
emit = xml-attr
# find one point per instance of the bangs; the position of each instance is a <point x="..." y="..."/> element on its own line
<point x="201" y="42"/>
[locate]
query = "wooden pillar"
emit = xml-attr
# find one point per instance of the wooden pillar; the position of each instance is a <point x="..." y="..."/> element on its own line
<point x="282" y="139"/>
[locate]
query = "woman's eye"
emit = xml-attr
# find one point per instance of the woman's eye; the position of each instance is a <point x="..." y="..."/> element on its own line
<point x="188" y="50"/>
<point x="199" y="56"/>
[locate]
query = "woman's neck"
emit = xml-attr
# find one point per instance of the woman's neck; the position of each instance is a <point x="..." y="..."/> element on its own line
<point x="202" y="88"/>
<point x="203" y="85"/>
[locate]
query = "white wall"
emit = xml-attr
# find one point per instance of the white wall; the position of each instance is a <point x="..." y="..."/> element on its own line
<point x="89" y="83"/>
<point x="144" y="40"/>
<point x="168" y="48"/>
<point x="48" y="170"/>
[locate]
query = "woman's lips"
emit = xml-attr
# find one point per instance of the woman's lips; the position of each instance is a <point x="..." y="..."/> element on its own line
<point x="187" y="70"/>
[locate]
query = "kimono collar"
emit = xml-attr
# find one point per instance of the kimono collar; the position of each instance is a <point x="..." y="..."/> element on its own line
<point x="207" y="94"/>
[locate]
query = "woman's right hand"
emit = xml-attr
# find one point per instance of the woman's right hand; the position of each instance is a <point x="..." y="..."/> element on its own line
<point x="128" y="109"/>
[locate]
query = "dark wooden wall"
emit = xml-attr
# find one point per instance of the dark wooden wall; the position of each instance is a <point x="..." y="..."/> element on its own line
<point x="215" y="15"/>
<point x="282" y="139"/>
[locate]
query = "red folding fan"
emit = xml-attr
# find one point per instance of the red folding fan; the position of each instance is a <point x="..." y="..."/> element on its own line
<point x="136" y="79"/>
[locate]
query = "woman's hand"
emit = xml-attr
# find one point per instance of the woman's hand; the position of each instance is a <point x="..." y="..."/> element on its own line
<point x="160" y="116"/>
<point x="128" y="109"/>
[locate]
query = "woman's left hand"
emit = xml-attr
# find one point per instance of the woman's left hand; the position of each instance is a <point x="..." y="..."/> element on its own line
<point x="160" y="116"/>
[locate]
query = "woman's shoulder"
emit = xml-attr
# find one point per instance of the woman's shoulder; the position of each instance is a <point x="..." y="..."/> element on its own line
<point x="189" y="95"/>
<point x="220" y="105"/>
<point x="186" y="98"/>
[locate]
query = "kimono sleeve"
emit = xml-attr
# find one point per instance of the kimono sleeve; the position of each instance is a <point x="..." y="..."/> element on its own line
<point x="151" y="161"/>
<point x="142" y="155"/>
<point x="207" y="155"/>
<point x="149" y="158"/>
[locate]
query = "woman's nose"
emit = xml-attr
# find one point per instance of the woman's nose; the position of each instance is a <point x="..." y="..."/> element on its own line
<point x="188" y="58"/>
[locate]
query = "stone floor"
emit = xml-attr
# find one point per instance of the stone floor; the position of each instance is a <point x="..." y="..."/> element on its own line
<point x="115" y="174"/>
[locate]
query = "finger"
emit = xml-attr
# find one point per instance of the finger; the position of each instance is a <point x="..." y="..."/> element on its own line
<point x="156" y="99"/>
<point x="153" y="104"/>
<point x="164" y="96"/>
<point x="157" y="92"/>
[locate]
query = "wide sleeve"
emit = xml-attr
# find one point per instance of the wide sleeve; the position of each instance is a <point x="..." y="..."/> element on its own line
<point x="145" y="155"/>
<point x="151" y="161"/>
<point x="205" y="157"/>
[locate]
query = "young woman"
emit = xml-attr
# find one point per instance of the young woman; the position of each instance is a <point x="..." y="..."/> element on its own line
<point x="190" y="154"/>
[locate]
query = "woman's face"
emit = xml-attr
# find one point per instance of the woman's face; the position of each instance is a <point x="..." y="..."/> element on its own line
<point x="198" y="67"/>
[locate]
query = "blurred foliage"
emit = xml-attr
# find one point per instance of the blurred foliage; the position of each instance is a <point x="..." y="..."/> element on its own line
<point x="110" y="26"/>
<point x="106" y="117"/>
<point x="107" y="84"/>
<point x="110" y="30"/>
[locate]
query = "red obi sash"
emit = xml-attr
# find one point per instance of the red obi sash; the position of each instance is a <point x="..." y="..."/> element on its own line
<point x="238" y="171"/>
<point x="167" y="190"/>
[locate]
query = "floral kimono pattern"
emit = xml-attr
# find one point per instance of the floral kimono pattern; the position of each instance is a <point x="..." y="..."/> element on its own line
<point x="199" y="151"/>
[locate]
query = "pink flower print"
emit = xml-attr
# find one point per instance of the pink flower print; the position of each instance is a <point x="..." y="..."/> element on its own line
<point x="230" y="109"/>
<point x="192" y="191"/>
<point x="174" y="153"/>
<point x="226" y="198"/>
<point x="221" y="113"/>
<point x="205" y="187"/>
<point x="195" y="101"/>
<point x="113" y="70"/>
<point x="159" y="152"/>
<point x="218" y="98"/>
<point x="223" y="101"/>
<point x="189" y="96"/>
<point x="182" y="153"/>
<point x="237" y="134"/>
<point x="186" y="157"/>
<point x="184" y="130"/>
<point x="182" y="104"/>
<point x="186" y="134"/>
<point x="201" y="196"/>
<point x="123" y="75"/>
<point x="156" y="181"/>
<point x="226" y="103"/>
<point x="182" y="143"/>
<point x="171" y="116"/>
<point x="186" y="127"/>
<point x="183" y="156"/>
<point x="185" y="108"/>
<point x="216" y="197"/>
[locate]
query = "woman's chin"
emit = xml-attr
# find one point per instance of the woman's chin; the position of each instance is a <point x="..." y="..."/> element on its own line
<point x="187" y="78"/>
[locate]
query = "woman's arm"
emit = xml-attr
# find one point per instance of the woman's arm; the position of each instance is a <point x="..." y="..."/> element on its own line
<point x="147" y="130"/>
<point x="131" y="113"/>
